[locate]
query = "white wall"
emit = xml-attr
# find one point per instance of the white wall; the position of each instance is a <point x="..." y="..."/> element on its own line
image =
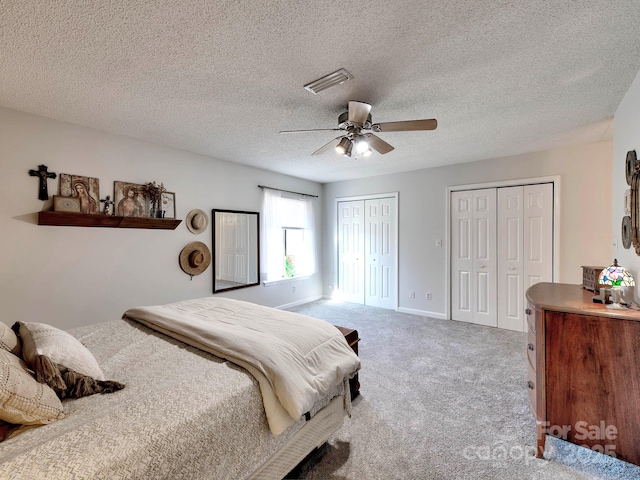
<point x="585" y="177"/>
<point x="626" y="136"/>
<point x="70" y="276"/>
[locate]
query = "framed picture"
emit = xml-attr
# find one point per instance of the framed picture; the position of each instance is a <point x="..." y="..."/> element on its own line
<point x="86" y="189"/>
<point x="169" y="204"/>
<point x="129" y="199"/>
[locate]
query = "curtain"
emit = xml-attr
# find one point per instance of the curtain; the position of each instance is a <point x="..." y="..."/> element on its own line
<point x="271" y="229"/>
<point x="280" y="210"/>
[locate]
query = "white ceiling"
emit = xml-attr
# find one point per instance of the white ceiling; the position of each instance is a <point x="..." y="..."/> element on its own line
<point x="222" y="78"/>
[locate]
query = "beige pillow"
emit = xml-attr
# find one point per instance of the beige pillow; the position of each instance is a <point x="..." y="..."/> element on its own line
<point x="9" y="340"/>
<point x="59" y="347"/>
<point x="23" y="400"/>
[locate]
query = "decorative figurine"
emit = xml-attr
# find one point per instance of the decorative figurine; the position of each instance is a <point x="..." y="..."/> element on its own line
<point x="43" y="174"/>
<point x="108" y="205"/>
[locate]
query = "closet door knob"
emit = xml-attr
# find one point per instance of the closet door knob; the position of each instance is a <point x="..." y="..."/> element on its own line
<point x="527" y="311"/>
<point x="530" y="385"/>
<point x="530" y="346"/>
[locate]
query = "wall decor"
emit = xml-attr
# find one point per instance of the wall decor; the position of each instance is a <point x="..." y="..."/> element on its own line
<point x="236" y="249"/>
<point x="153" y="199"/>
<point x="43" y="191"/>
<point x="129" y="199"/>
<point x="108" y="205"/>
<point x="87" y="189"/>
<point x="630" y="223"/>
<point x="195" y="258"/>
<point x="197" y="221"/>
<point x="66" y="204"/>
<point x="168" y="204"/>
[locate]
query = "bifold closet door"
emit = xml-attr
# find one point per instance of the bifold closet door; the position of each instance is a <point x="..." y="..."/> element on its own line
<point x="351" y="251"/>
<point x="473" y="256"/>
<point x="525" y="248"/>
<point x="380" y="252"/>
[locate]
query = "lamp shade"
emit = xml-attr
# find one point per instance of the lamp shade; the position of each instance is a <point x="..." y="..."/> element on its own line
<point x="616" y="276"/>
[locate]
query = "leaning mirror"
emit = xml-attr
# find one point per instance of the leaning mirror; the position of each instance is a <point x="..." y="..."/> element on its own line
<point x="236" y="249"/>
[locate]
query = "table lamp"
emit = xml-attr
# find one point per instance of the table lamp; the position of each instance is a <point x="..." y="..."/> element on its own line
<point x="618" y="277"/>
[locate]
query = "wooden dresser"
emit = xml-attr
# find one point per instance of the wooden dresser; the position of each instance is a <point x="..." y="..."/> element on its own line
<point x="584" y="370"/>
<point x="352" y="338"/>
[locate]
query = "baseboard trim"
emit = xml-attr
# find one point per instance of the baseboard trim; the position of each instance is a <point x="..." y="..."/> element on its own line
<point x="423" y="313"/>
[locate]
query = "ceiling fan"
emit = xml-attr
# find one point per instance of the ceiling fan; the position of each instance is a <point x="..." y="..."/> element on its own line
<point x="356" y="125"/>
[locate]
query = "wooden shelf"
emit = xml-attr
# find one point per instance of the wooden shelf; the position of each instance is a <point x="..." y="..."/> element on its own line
<point x="67" y="219"/>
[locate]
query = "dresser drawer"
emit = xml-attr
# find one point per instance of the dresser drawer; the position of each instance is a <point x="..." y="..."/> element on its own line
<point x="531" y="347"/>
<point x="531" y="388"/>
<point x="531" y="318"/>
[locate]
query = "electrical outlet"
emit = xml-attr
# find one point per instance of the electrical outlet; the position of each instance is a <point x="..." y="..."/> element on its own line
<point x="429" y="296"/>
<point x="293" y="289"/>
<point x="412" y="294"/>
<point x="439" y="242"/>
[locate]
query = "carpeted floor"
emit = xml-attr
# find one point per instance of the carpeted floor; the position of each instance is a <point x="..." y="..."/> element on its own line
<point x="442" y="400"/>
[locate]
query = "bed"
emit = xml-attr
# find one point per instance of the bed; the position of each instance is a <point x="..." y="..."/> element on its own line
<point x="184" y="413"/>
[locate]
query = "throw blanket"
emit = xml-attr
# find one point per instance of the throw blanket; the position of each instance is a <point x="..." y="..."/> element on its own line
<point x="296" y="359"/>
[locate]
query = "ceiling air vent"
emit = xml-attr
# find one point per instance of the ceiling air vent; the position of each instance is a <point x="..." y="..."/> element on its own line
<point x="328" y="81"/>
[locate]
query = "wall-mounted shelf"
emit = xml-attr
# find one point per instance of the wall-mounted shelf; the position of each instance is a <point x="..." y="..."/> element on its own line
<point x="68" y="219"/>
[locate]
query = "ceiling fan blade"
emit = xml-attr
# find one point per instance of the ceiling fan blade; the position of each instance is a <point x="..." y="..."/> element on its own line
<point x="327" y="146"/>
<point x="313" y="130"/>
<point x="406" y="126"/>
<point x="359" y="112"/>
<point x="378" y="144"/>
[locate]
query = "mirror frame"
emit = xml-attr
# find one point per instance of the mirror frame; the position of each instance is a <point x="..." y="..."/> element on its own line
<point x="214" y="258"/>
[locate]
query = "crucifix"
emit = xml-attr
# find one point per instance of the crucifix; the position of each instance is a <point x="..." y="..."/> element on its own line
<point x="43" y="174"/>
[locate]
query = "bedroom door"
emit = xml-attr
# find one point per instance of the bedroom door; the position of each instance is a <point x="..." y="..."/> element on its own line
<point x="473" y="256"/>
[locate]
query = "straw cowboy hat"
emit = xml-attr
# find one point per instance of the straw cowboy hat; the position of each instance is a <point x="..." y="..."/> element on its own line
<point x="195" y="258"/>
<point x="197" y="221"/>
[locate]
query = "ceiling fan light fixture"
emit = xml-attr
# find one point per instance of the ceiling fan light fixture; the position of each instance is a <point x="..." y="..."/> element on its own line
<point x="347" y="152"/>
<point x="367" y="152"/>
<point x="342" y="146"/>
<point x="362" y="145"/>
<point x="328" y="81"/>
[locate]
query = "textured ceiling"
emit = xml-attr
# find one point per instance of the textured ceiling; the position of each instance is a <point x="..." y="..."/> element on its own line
<point x="222" y="78"/>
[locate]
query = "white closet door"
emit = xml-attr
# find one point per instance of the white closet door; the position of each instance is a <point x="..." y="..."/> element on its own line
<point x="538" y="234"/>
<point x="525" y="248"/>
<point x="510" y="258"/>
<point x="372" y="249"/>
<point x="473" y="256"/>
<point x="351" y="251"/>
<point x="461" y="255"/>
<point x="485" y="262"/>
<point x="380" y="252"/>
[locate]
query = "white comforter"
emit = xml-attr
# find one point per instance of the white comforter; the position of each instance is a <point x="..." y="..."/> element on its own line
<point x="295" y="358"/>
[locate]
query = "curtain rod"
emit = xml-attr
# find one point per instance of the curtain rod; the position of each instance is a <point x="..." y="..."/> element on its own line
<point x="288" y="191"/>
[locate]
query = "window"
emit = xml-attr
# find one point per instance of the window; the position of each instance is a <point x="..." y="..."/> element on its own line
<point x="288" y="236"/>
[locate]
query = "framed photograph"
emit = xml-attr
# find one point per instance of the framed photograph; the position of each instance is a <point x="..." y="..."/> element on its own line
<point x="86" y="189"/>
<point x="129" y="200"/>
<point x="169" y="204"/>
